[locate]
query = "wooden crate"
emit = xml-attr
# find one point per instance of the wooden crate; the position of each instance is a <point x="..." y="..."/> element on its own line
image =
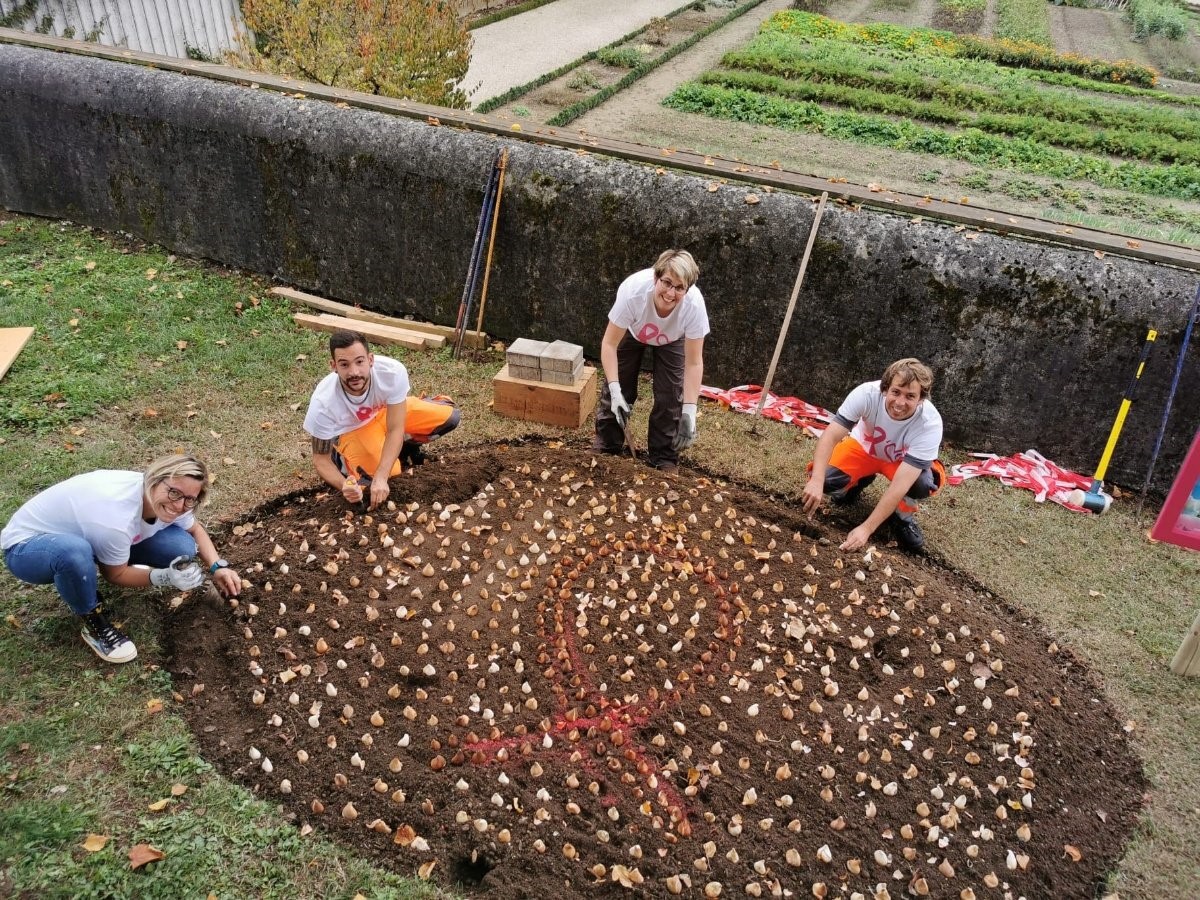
<point x="569" y="405"/>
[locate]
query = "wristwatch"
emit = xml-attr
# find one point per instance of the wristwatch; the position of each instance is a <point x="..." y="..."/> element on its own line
<point x="219" y="564"/>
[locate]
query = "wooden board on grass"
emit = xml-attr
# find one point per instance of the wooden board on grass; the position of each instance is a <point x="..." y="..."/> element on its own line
<point x="568" y="405"/>
<point x="472" y="339"/>
<point x="11" y="342"/>
<point x="383" y="334"/>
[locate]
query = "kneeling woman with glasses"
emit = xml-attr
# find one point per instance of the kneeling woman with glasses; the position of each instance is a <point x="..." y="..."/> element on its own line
<point x="138" y="527"/>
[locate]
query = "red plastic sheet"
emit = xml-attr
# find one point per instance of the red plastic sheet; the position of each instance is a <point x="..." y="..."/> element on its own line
<point x="1029" y="470"/>
<point x="790" y="410"/>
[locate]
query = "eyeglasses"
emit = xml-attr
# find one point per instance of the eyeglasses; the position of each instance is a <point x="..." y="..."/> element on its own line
<point x="672" y="286"/>
<point x="175" y="496"/>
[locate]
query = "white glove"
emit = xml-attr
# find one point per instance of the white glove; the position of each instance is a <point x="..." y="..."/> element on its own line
<point x="617" y="403"/>
<point x="183" y="579"/>
<point x="686" y="435"/>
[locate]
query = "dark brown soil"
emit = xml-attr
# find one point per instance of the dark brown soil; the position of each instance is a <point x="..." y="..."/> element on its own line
<point x="548" y="673"/>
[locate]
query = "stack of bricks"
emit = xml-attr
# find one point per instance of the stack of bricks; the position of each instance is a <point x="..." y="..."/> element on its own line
<point x="556" y="362"/>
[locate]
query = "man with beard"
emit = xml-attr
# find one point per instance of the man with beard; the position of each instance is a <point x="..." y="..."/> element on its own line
<point x="897" y="432"/>
<point x="364" y="425"/>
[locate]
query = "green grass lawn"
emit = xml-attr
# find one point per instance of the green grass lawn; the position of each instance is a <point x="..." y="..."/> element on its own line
<point x="138" y="353"/>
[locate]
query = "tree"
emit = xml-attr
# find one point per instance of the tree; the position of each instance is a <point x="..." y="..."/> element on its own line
<point x="415" y="49"/>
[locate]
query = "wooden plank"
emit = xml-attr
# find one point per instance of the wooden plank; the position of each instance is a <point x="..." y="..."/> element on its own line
<point x="473" y="339"/>
<point x="431" y="341"/>
<point x="11" y="342"/>
<point x="568" y="405"/>
<point x="383" y="334"/>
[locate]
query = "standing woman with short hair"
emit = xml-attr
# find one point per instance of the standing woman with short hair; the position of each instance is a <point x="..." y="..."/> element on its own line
<point x="140" y="528"/>
<point x="660" y="308"/>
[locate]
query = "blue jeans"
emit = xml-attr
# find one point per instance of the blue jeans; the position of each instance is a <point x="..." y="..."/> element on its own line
<point x="66" y="561"/>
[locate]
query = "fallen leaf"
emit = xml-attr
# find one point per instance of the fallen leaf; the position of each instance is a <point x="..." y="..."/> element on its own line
<point x="12" y="620"/>
<point x="141" y="854"/>
<point x="151" y="274"/>
<point x="181" y="345"/>
<point x="73" y="323"/>
<point x="94" y="842"/>
<point x="434" y="120"/>
<point x="154" y="705"/>
<point x="191" y="414"/>
<point x="89" y="265"/>
<point x="964" y="199"/>
<point x="159" y="805"/>
<point x="1094" y="593"/>
<point x="713" y="186"/>
<point x="301" y="357"/>
<point x="266" y="426"/>
<point x="216" y="434"/>
<point x="229" y="461"/>
<point x="149" y="412"/>
<point x="752" y="199"/>
<point x="1100" y="254"/>
<point x="1072" y="852"/>
<point x="342" y="105"/>
<point x="873" y="187"/>
<point x="293" y="406"/>
<point x="404" y="836"/>
<point x="427" y="869"/>
<point x="178" y="790"/>
<point x="1102" y="815"/>
<point x="1134" y="245"/>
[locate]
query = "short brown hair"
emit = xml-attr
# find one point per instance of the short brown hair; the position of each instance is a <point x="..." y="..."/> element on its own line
<point x="344" y="337"/>
<point x="902" y="371"/>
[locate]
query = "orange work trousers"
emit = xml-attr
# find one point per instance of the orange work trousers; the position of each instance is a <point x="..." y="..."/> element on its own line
<point x="361" y="447"/>
<point x="850" y="464"/>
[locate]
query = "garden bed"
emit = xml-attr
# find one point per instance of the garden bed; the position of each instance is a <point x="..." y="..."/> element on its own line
<point x="541" y="671"/>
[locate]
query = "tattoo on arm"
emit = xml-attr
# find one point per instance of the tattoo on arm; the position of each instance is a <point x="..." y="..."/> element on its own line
<point x="322" y="447"/>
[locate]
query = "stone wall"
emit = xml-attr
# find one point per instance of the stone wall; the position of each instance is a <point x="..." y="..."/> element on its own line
<point x="1032" y="344"/>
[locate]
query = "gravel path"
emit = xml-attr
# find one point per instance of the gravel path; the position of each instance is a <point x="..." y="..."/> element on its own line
<point x="643" y="97"/>
<point x="518" y="49"/>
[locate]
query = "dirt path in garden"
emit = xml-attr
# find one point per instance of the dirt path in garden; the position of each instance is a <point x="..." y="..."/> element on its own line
<point x="908" y="14"/>
<point x="545" y="673"/>
<point x="988" y="28"/>
<point x="1094" y="32"/>
<point x="644" y="97"/>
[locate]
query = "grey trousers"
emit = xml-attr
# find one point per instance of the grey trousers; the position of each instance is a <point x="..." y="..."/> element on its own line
<point x="667" y="369"/>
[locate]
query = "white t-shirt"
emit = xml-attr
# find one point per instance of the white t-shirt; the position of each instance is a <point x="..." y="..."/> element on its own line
<point x="332" y="412"/>
<point x="915" y="440"/>
<point x="635" y="312"/>
<point x="102" y="507"/>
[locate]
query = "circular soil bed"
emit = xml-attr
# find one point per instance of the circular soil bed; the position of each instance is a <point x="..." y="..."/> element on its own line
<point x="546" y="673"/>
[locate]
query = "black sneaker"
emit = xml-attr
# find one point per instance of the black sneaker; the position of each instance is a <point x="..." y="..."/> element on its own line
<point x="109" y="642"/>
<point x="848" y="495"/>
<point x="411" y="454"/>
<point x="906" y="532"/>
